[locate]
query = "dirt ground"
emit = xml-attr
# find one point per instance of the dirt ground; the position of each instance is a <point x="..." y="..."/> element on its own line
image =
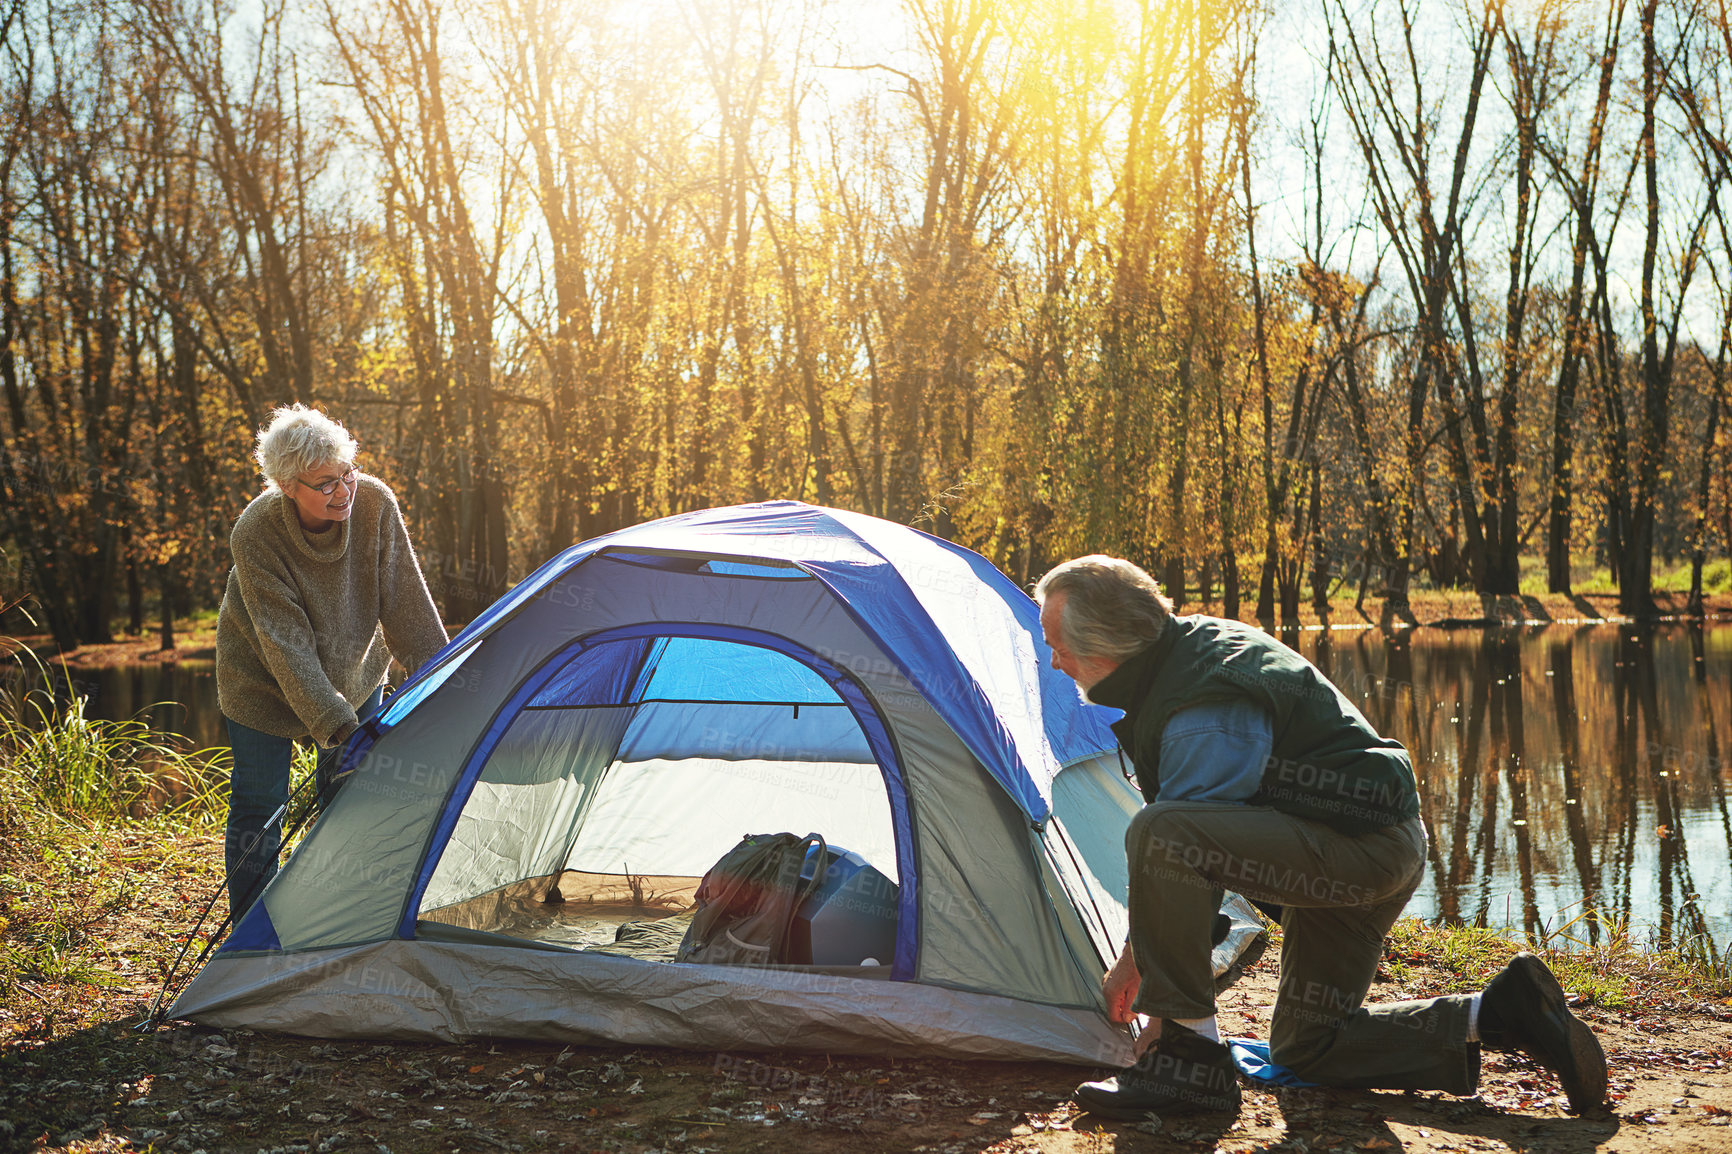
<point x="76" y="1075"/>
<point x="104" y="1086"/>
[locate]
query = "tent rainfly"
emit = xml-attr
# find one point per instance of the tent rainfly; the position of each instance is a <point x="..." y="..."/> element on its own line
<point x="527" y="817"/>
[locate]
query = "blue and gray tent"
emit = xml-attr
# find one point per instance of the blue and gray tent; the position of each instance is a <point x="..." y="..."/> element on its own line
<point x="583" y="752"/>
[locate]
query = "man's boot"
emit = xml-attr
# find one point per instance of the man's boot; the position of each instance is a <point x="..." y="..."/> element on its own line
<point x="1523" y="1008"/>
<point x="1182" y="1073"/>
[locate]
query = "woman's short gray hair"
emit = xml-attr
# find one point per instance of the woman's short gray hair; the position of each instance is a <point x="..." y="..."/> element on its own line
<point x="300" y="439"/>
<point x="1111" y="609"/>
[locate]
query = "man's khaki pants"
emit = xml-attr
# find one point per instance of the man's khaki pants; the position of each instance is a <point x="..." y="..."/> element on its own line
<point x="1341" y="894"/>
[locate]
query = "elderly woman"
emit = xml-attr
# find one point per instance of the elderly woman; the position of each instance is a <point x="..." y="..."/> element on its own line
<point x="324" y="590"/>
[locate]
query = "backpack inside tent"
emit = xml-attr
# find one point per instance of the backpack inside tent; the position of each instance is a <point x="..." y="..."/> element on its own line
<point x="524" y="825"/>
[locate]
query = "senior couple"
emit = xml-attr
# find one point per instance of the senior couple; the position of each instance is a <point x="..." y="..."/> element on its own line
<point x="1259" y="776"/>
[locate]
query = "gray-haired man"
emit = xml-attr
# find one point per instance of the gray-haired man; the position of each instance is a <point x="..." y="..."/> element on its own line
<point x="1262" y="778"/>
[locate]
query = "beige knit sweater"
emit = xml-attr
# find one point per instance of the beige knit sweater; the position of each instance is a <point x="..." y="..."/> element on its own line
<point x="310" y="621"/>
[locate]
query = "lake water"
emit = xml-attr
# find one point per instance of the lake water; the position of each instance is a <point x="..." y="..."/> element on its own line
<point x="1562" y="769"/>
<point x="180" y="698"/>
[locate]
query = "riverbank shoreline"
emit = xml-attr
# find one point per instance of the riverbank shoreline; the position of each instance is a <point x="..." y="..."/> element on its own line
<point x="1464" y="609"/>
<point x="1426" y="609"/>
<point x="197" y="643"/>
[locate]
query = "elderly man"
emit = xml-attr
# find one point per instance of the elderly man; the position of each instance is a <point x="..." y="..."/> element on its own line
<point x="1262" y="778"/>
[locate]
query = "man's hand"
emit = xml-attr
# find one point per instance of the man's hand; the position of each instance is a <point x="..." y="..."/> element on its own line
<point x="1120" y="987"/>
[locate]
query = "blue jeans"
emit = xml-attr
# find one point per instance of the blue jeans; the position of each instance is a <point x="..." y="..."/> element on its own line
<point x="258" y="786"/>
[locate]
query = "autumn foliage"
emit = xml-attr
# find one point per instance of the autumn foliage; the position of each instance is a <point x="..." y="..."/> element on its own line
<point x="1265" y="300"/>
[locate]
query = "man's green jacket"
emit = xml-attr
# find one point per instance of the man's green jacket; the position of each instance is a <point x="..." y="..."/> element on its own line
<point x="1327" y="762"/>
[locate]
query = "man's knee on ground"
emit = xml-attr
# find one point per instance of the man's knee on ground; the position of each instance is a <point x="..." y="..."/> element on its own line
<point x="1300" y="1038"/>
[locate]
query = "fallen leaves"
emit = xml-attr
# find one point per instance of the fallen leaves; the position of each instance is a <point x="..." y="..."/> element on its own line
<point x="230" y="1090"/>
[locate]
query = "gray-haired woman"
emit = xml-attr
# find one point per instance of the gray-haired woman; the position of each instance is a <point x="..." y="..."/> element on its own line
<point x="324" y="590"/>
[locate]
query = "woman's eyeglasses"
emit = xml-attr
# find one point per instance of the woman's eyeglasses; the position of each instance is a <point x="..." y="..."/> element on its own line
<point x="329" y="487"/>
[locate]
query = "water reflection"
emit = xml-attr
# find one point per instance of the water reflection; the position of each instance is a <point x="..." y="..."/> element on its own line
<point x="1562" y="770"/>
<point x="175" y="697"/>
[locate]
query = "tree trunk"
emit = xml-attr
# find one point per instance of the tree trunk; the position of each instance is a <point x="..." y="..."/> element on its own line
<point x="165" y="585"/>
<point x="1705" y="475"/>
<point x="1319" y="549"/>
<point x="1575" y="326"/>
<point x="1635" y="586"/>
<point x="1229" y="584"/>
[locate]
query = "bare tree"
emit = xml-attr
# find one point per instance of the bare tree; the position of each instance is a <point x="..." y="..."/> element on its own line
<point x="1660" y="331"/>
<point x="265" y="161"/>
<point x="77" y="203"/>
<point x="1581" y="185"/>
<point x="1393" y="117"/>
<point x="448" y="282"/>
<point x="1701" y="88"/>
<point x="1424" y="224"/>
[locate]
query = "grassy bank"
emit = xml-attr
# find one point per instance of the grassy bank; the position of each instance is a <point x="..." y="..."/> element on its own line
<point x="195" y="640"/>
<point x="1594" y="597"/>
<point x="1458" y="608"/>
<point x="90" y="810"/>
<point x="1604" y="964"/>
